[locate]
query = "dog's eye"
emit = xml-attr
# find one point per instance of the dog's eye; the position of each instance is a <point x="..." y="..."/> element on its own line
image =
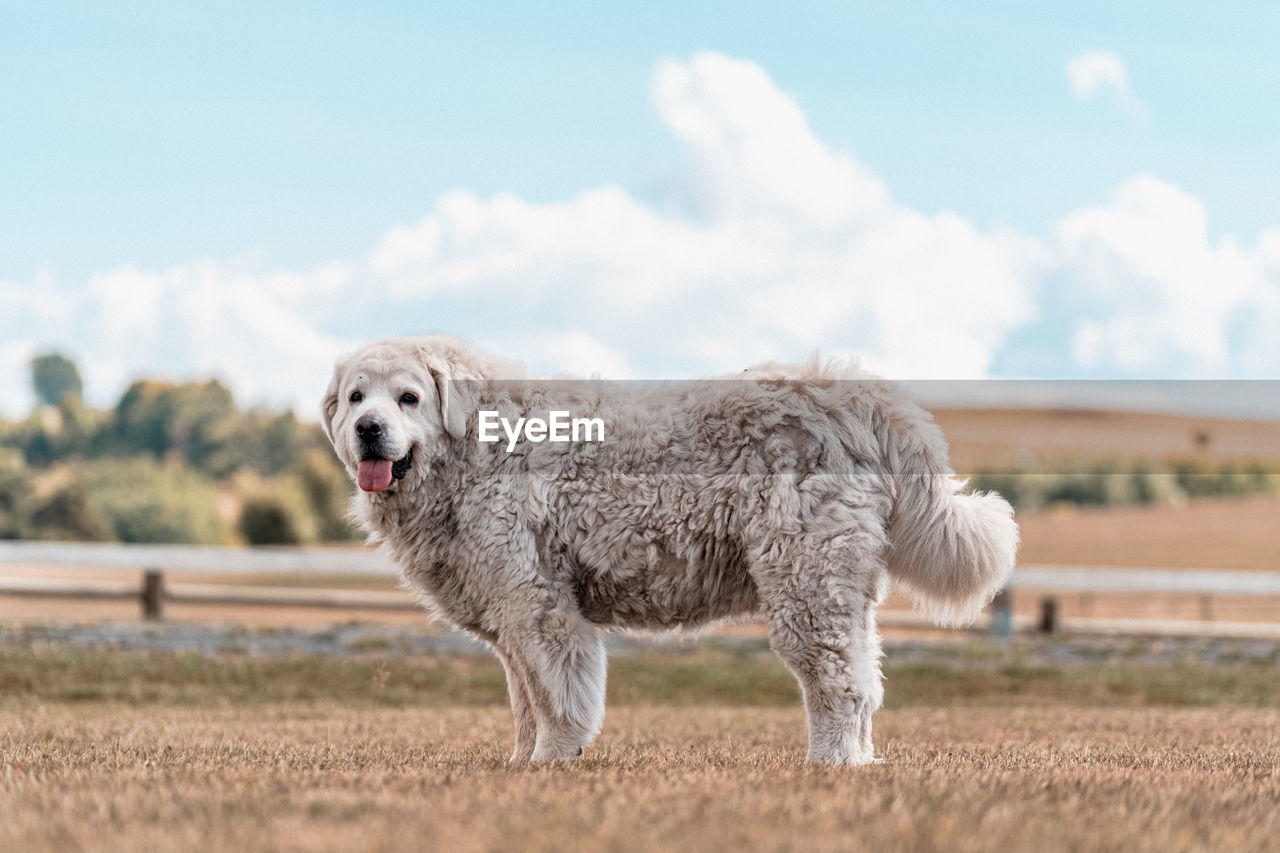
<point x="356" y="397"/>
<point x="407" y="399"/>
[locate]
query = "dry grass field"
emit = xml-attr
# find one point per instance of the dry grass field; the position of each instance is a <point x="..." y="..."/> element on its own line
<point x="993" y="748"/>
<point x="1215" y="533"/>
<point x="703" y="778"/>
<point x="125" y="751"/>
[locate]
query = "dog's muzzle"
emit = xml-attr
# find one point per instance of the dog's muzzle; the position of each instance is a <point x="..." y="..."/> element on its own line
<point x="374" y="473"/>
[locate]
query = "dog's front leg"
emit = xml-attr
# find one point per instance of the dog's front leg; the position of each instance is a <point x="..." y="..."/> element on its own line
<point x="561" y="656"/>
<point x="522" y="709"/>
<point x="822" y="625"/>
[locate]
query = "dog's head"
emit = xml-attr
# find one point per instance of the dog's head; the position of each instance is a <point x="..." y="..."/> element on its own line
<point x="393" y="403"/>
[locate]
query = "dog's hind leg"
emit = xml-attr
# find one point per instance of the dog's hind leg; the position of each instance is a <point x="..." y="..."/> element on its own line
<point x="562" y="658"/>
<point x="822" y="625"/>
<point x="522" y="710"/>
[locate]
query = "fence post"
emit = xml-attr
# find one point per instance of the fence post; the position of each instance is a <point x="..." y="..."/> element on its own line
<point x="1048" y="615"/>
<point x="1002" y="614"/>
<point x="153" y="595"/>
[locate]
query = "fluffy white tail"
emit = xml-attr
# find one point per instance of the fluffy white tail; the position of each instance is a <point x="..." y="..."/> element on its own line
<point x="950" y="551"/>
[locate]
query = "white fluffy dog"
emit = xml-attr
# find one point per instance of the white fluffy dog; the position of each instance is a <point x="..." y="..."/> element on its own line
<point x="792" y="492"/>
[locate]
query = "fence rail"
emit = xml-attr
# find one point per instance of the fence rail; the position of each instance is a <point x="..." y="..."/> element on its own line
<point x="1121" y="579"/>
<point x="197" y="558"/>
<point x="158" y="561"/>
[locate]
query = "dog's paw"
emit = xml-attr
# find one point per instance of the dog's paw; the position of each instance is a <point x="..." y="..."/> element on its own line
<point x="556" y="756"/>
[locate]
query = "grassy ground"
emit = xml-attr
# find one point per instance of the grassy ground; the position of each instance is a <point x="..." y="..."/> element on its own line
<point x="986" y="676"/>
<point x="289" y="777"/>
<point x="138" y="751"/>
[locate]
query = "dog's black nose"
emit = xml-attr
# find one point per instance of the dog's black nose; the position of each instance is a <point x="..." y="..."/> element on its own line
<point x="368" y="427"/>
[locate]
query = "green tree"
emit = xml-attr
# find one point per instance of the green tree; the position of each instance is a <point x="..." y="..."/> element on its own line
<point x="68" y="514"/>
<point x="142" y="418"/>
<point x="282" y="443"/>
<point x="16" y="489"/>
<point x="329" y="491"/>
<point x="55" y="379"/>
<point x="275" y="511"/>
<point x="196" y="420"/>
<point x="145" y="501"/>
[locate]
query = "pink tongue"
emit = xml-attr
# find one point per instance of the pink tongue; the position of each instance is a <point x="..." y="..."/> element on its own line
<point x="374" y="475"/>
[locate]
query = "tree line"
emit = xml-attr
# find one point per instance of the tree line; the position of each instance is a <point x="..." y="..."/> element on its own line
<point x="170" y="462"/>
<point x="182" y="462"/>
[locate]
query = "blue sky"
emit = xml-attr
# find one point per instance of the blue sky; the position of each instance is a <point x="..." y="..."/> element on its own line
<point x="178" y="182"/>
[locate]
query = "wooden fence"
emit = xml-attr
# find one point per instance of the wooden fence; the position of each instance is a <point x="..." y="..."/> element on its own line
<point x="158" y="563"/>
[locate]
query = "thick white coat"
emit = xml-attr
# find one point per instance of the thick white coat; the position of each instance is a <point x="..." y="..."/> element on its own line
<point x="792" y="492"/>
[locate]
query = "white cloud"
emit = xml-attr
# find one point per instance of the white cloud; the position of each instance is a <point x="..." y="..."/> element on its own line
<point x="1154" y="292"/>
<point x="1260" y="344"/>
<point x="752" y="151"/>
<point x="769" y="246"/>
<point x="34" y="317"/>
<point x="568" y="352"/>
<point x="1097" y="72"/>
<point x="783" y="246"/>
<point x="192" y="321"/>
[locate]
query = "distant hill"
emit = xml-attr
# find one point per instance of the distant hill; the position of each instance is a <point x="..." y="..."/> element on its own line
<point x="985" y="438"/>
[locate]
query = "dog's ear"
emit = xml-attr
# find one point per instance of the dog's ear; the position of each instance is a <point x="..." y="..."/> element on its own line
<point x="455" y="393"/>
<point x="329" y="405"/>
